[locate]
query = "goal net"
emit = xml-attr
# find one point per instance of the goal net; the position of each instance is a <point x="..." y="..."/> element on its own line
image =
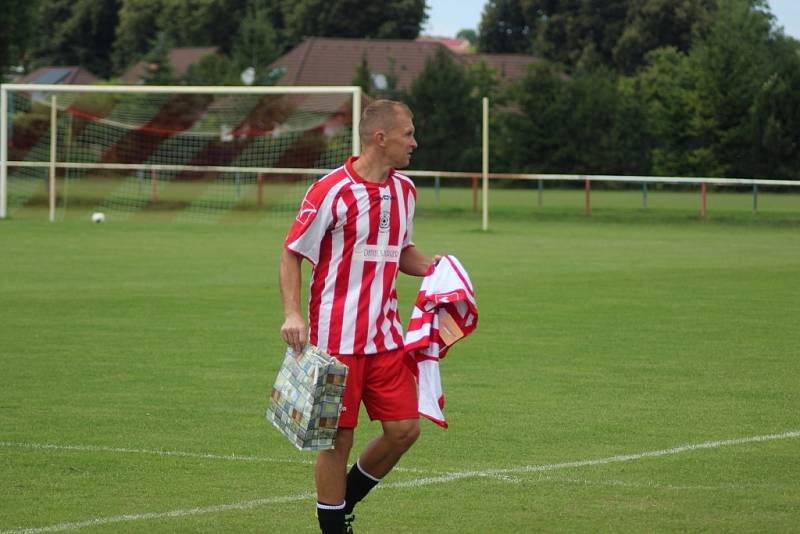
<point x="184" y="153"/>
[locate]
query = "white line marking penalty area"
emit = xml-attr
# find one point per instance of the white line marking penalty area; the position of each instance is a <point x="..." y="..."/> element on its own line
<point x="626" y="457"/>
<point x="419" y="482"/>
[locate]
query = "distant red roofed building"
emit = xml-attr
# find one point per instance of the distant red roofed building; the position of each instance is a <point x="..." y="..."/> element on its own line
<point x="454" y="44"/>
<point x="180" y="59"/>
<point x="334" y="61"/>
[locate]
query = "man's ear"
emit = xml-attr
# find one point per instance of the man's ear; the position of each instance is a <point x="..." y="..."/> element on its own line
<point x="379" y="137"/>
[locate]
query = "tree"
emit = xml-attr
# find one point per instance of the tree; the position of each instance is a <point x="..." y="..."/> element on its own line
<point x="504" y="28"/>
<point x="731" y="105"/>
<point x="669" y="89"/>
<point x="652" y="24"/>
<point x="256" y="43"/>
<point x="159" y="70"/>
<point x="17" y="20"/>
<point x="363" y="77"/>
<point x="446" y="115"/>
<point x="212" y="22"/>
<point x="470" y="35"/>
<point x="531" y="135"/>
<point x="377" y="84"/>
<point x="629" y="139"/>
<point x="484" y="81"/>
<point x="570" y="32"/>
<point x="590" y="123"/>
<point x="391" y="19"/>
<point x="588" y="33"/>
<point x="775" y="117"/>
<point x="731" y="64"/>
<point x="187" y="23"/>
<point x="213" y="69"/>
<point x="390" y="77"/>
<point x="137" y="28"/>
<point x="77" y="32"/>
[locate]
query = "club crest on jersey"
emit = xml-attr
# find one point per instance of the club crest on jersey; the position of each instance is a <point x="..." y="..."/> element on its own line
<point x="384" y="225"/>
<point x="306" y="213"/>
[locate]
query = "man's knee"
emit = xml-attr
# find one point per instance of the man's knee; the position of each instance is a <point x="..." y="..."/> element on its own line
<point x="341" y="446"/>
<point x="402" y="434"/>
<point x="343" y="441"/>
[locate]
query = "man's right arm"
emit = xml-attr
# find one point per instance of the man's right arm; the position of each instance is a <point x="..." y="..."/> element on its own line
<point x="294" y="330"/>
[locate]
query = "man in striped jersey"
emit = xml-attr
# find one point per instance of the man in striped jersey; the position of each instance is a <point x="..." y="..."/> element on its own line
<point x="355" y="226"/>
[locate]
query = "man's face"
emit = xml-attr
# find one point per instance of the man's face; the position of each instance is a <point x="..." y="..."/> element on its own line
<point x="399" y="141"/>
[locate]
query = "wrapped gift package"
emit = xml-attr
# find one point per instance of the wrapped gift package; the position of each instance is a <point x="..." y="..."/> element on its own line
<point x="305" y="401"/>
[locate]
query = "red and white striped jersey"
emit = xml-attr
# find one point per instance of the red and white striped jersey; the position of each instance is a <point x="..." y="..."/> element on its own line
<point x="445" y="312"/>
<point x="353" y="232"/>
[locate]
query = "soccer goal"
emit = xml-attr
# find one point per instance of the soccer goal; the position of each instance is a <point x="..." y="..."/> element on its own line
<point x="198" y="152"/>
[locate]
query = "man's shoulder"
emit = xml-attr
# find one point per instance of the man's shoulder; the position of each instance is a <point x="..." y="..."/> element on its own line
<point x="404" y="180"/>
<point x="330" y="183"/>
<point x="333" y="178"/>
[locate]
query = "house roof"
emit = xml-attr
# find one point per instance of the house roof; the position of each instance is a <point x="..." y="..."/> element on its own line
<point x="180" y="59"/>
<point x="60" y="75"/>
<point x="455" y="44"/>
<point x="333" y="61"/>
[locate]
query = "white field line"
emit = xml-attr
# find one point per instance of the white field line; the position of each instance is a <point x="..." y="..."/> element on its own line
<point x="499" y="473"/>
<point x="427" y="481"/>
<point x="653" y="485"/>
<point x="179" y="454"/>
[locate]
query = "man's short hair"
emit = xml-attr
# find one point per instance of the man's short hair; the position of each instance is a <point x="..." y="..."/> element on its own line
<point x="379" y="115"/>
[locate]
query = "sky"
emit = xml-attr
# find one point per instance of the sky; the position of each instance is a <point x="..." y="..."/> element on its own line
<point x="447" y="17"/>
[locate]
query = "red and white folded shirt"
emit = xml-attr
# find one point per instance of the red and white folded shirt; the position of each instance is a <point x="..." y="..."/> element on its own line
<point x="445" y="311"/>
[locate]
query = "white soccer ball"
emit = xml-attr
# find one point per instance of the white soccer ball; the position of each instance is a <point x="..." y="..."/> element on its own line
<point x="98" y="217"/>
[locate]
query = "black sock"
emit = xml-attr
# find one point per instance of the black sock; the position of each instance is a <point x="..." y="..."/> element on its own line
<point x="359" y="483"/>
<point x="330" y="517"/>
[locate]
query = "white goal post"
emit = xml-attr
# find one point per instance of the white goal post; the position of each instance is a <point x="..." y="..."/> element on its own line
<point x="162" y="133"/>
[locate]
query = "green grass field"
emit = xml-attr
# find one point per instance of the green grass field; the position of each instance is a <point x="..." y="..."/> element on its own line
<point x="632" y="372"/>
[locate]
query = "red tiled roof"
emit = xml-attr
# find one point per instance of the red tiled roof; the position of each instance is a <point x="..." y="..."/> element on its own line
<point x="180" y="59"/>
<point x="455" y="44"/>
<point x="334" y="61"/>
